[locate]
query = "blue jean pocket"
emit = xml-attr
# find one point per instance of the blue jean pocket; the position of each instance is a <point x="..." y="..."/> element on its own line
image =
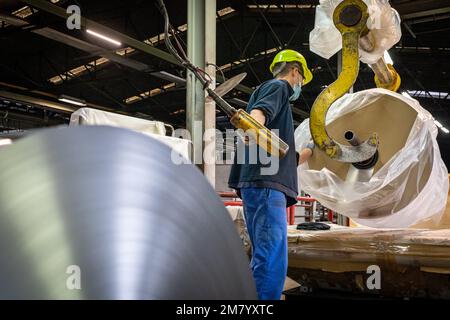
<point x="276" y="198"/>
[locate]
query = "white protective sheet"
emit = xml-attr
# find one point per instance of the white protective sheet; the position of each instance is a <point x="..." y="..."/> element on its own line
<point x="387" y="186"/>
<point x="88" y="116"/>
<point x="384" y="24"/>
<point x="154" y="129"/>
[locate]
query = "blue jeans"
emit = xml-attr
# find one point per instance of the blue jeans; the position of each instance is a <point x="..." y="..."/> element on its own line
<point x="265" y="215"/>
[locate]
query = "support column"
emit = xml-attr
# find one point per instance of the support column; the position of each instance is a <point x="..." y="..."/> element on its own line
<point x="210" y="107"/>
<point x="195" y="95"/>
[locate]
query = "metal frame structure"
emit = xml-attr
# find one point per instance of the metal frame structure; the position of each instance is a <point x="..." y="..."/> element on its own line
<point x="253" y="26"/>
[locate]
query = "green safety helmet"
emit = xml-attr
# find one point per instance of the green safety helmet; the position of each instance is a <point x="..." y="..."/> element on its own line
<point x="293" y="56"/>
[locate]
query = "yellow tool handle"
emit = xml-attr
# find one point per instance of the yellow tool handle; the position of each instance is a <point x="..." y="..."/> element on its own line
<point x="265" y="138"/>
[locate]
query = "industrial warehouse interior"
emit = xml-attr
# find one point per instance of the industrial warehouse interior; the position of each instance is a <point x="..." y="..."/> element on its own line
<point x="224" y="150"/>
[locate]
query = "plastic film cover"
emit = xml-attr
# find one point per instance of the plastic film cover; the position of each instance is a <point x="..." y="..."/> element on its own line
<point x="384" y="24"/>
<point x="407" y="187"/>
<point x="88" y="116"/>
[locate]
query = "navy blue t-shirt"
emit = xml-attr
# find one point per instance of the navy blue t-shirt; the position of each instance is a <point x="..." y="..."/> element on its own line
<point x="271" y="97"/>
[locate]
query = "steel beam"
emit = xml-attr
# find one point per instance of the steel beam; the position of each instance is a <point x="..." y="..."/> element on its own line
<point x="134" y="43"/>
<point x="268" y="24"/>
<point x="90" y="48"/>
<point x="195" y="95"/>
<point x="46" y="103"/>
<point x="230" y="35"/>
<point x="209" y="168"/>
<point x="50" y="105"/>
<point x="430" y="18"/>
<point x="12" y="20"/>
<point x="21" y="116"/>
<point x="89" y="24"/>
<point x="420" y="8"/>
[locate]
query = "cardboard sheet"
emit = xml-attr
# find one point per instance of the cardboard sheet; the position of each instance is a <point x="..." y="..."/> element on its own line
<point x="353" y="249"/>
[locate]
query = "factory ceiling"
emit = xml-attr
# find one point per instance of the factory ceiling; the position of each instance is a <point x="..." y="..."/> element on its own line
<point x="40" y="59"/>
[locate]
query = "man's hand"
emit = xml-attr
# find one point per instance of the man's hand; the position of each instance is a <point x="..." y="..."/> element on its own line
<point x="306" y="153"/>
<point x="259" y="116"/>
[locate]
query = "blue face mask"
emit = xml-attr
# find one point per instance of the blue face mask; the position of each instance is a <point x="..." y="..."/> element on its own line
<point x="296" y="94"/>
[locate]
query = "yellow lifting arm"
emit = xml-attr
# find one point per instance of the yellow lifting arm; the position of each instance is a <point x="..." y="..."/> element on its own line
<point x="350" y="18"/>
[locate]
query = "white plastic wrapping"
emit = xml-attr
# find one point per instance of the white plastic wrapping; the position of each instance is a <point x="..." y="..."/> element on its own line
<point x="384" y="24"/>
<point x="88" y="116"/>
<point x="182" y="146"/>
<point x="387" y="186"/>
<point x="154" y="129"/>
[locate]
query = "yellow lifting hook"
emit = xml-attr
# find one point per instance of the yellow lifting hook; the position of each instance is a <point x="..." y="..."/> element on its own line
<point x="350" y="18"/>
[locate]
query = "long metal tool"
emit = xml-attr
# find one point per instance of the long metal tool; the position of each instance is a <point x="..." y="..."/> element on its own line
<point x="228" y="85"/>
<point x="350" y="18"/>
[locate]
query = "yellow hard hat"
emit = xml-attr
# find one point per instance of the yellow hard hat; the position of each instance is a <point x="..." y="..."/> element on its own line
<point x="291" y="56"/>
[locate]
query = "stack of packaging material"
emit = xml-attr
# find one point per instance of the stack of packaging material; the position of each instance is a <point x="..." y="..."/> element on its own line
<point x="412" y="262"/>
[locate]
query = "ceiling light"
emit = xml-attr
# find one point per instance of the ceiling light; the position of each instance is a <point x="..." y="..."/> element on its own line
<point x="98" y="35"/>
<point x="445" y="130"/>
<point x="72" y="100"/>
<point x="4" y="142"/>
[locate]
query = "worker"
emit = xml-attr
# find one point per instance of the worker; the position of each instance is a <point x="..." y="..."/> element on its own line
<point x="266" y="197"/>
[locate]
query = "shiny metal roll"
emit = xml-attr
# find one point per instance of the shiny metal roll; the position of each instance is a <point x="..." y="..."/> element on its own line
<point x="103" y="213"/>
